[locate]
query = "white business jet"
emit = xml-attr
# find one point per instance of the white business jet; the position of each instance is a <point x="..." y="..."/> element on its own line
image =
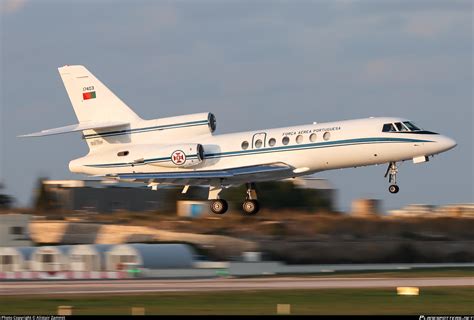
<point x="184" y="150"/>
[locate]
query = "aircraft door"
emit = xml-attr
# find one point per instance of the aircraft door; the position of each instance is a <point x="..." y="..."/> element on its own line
<point x="259" y="140"/>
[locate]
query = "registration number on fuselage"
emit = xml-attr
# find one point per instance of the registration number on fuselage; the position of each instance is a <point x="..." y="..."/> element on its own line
<point x="89" y="88"/>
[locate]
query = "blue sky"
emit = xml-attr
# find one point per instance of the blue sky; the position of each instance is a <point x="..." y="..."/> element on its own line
<point x="254" y="64"/>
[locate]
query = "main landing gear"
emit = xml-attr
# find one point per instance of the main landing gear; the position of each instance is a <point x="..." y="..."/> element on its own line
<point x="250" y="205"/>
<point x="392" y="171"/>
<point x="219" y="206"/>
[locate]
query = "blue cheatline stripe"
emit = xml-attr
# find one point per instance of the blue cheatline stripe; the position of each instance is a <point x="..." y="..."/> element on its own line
<point x="327" y="144"/>
<point x="146" y="161"/>
<point x="146" y="129"/>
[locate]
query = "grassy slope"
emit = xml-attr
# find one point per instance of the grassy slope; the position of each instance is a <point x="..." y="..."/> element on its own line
<point x="446" y="300"/>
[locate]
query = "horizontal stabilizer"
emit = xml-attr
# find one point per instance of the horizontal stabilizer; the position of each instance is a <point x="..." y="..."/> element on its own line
<point x="77" y="127"/>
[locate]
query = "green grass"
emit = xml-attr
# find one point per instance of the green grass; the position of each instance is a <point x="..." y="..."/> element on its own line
<point x="441" y="300"/>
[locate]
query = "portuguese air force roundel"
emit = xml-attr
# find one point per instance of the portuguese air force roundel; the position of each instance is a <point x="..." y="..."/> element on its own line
<point x="178" y="157"/>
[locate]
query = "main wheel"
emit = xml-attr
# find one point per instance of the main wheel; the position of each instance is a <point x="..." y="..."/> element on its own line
<point x="393" y="188"/>
<point x="250" y="206"/>
<point x="219" y="206"/>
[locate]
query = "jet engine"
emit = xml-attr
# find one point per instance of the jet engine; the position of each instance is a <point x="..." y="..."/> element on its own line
<point x="179" y="155"/>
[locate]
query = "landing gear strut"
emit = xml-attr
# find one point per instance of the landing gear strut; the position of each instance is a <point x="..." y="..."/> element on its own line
<point x="250" y="205"/>
<point x="218" y="206"/>
<point x="392" y="171"/>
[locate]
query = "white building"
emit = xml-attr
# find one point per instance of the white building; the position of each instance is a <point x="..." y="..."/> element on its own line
<point x="13" y="259"/>
<point x="14" y="230"/>
<point x="50" y="259"/>
<point x="88" y="257"/>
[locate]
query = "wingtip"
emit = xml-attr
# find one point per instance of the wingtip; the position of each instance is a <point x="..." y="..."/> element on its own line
<point x="24" y="136"/>
<point x="29" y="135"/>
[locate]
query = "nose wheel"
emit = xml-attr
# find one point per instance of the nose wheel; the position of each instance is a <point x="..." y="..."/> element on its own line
<point x="392" y="171"/>
<point x="393" y="188"/>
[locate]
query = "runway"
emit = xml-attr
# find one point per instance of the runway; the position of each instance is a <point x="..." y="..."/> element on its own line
<point x="279" y="283"/>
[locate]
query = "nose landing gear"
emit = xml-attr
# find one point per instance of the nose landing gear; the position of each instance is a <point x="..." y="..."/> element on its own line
<point x="393" y="188"/>
<point x="392" y="171"/>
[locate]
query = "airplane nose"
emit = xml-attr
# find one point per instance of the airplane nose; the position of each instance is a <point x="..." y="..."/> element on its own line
<point x="447" y="143"/>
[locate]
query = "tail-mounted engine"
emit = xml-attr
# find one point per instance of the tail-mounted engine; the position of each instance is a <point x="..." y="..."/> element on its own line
<point x="179" y="155"/>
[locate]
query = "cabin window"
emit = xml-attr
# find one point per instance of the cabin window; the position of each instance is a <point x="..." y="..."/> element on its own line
<point x="271" y="142"/>
<point x="123" y="153"/>
<point x="312" y="137"/>
<point x="299" y="139"/>
<point x="285" y="140"/>
<point x="245" y="145"/>
<point x="327" y="136"/>
<point x="258" y="143"/>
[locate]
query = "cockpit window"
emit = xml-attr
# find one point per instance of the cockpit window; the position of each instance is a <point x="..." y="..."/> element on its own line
<point x="401" y="127"/>
<point x="411" y="126"/>
<point x="406" y="126"/>
<point x="389" y="127"/>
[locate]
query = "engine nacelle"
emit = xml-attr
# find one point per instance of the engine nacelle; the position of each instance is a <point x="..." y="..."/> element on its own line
<point x="178" y="155"/>
<point x="190" y="124"/>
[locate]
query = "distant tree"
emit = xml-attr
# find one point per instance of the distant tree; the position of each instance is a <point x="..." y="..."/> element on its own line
<point x="280" y="195"/>
<point x="6" y="201"/>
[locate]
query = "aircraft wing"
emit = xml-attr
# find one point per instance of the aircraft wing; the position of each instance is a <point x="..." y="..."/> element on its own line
<point x="232" y="175"/>
<point x="77" y="127"/>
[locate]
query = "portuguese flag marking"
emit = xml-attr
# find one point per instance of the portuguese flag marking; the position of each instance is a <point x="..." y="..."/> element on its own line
<point x="88" y="95"/>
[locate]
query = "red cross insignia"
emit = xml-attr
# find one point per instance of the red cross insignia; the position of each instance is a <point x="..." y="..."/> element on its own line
<point x="178" y="157"/>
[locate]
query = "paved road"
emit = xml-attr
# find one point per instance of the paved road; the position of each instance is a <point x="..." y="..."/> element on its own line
<point x="144" y="286"/>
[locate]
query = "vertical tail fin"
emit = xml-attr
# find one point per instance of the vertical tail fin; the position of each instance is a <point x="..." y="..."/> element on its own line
<point x="91" y="99"/>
